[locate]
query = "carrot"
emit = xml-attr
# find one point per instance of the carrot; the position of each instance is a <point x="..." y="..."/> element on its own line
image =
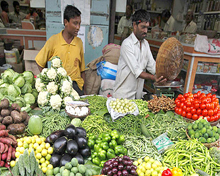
<point x="2" y="127"/>
<point x="2" y="163"/>
<point x="5" y="141"/>
<point x="9" y="153"/>
<point x="14" y="143"/>
<point x="2" y="147"/>
<point x="6" y="148"/>
<point x="13" y="153"/>
<point x="4" y="133"/>
<point x="4" y="156"/>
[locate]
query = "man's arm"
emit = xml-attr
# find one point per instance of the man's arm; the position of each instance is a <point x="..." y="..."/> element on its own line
<point x="83" y="75"/>
<point x="145" y="75"/>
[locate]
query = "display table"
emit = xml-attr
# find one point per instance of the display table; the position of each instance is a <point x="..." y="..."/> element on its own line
<point x="193" y="57"/>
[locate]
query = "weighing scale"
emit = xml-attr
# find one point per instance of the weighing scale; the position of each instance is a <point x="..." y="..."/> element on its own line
<point x="168" y="89"/>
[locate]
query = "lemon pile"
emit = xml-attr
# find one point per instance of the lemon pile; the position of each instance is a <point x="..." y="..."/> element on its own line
<point x="42" y="151"/>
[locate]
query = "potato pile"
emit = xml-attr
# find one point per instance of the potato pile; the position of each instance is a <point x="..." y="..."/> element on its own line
<point x="13" y="118"/>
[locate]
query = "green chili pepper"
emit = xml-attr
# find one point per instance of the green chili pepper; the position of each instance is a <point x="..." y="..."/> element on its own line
<point x="110" y="153"/>
<point x="112" y="144"/>
<point x="102" y="155"/>
<point x="121" y="139"/>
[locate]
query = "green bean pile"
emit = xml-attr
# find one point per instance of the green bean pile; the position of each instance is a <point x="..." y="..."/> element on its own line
<point x="139" y="147"/>
<point x="190" y="155"/>
<point x="95" y="124"/>
<point x="142" y="106"/>
<point x="53" y="122"/>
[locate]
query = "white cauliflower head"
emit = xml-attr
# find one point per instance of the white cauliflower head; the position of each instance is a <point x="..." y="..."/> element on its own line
<point x="42" y="98"/>
<point x="56" y="62"/>
<point x="62" y="71"/>
<point x="52" y="87"/>
<point x="74" y="94"/>
<point x="66" y="87"/>
<point x="39" y="85"/>
<point x="55" y="102"/>
<point x="67" y="99"/>
<point x="51" y="73"/>
<point x="44" y="71"/>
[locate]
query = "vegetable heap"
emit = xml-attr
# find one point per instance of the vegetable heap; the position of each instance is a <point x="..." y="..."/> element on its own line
<point x="54" y="87"/>
<point x="18" y="88"/>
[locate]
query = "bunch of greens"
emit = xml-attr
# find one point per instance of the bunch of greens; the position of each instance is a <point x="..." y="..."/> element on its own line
<point x="18" y="88"/>
<point x="160" y="123"/>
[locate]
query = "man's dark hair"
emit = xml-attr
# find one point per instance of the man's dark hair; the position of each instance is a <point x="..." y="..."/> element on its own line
<point x="71" y="12"/>
<point x="166" y="13"/>
<point x="141" y="16"/>
<point x="130" y="7"/>
<point x="15" y="3"/>
<point x="4" y="4"/>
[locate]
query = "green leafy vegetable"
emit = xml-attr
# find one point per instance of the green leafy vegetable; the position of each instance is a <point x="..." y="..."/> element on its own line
<point x="29" y="98"/>
<point x="28" y="76"/>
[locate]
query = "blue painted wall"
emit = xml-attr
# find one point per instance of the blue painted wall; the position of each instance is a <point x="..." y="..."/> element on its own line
<point x="99" y="16"/>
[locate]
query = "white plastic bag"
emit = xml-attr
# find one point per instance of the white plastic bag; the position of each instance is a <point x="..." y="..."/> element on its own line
<point x="201" y="43"/>
<point x="116" y="115"/>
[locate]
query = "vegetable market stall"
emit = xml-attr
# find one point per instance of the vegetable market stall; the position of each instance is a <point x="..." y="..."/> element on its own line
<point x="52" y="143"/>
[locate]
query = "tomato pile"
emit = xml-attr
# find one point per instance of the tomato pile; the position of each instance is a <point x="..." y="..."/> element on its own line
<point x="194" y="106"/>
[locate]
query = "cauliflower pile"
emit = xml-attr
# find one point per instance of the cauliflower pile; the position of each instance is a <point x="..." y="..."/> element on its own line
<point x="54" y="87"/>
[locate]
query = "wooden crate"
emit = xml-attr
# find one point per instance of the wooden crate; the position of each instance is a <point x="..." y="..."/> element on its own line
<point x="29" y="61"/>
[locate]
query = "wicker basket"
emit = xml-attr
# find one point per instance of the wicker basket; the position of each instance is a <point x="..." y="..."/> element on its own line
<point x="75" y="116"/>
<point x="208" y="145"/>
<point x="211" y="123"/>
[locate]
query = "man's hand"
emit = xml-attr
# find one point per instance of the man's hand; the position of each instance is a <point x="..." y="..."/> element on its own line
<point x="160" y="80"/>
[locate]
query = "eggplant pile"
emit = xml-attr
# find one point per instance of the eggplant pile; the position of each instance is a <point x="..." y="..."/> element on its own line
<point x="67" y="144"/>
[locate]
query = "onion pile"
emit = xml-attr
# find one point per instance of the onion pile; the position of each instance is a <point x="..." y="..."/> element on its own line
<point x="119" y="166"/>
<point x="122" y="105"/>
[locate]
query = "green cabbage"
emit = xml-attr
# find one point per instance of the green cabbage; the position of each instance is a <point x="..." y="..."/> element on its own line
<point x="29" y="98"/>
<point x="8" y="75"/>
<point x="28" y="76"/>
<point x="35" y="93"/>
<point x="20" y="101"/>
<point x="27" y="88"/>
<point x="18" y="80"/>
<point x="76" y="122"/>
<point x="14" y="90"/>
<point x="1" y="96"/>
<point x="4" y="88"/>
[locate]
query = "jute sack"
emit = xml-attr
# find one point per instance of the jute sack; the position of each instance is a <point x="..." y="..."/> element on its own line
<point x="111" y="53"/>
<point x="169" y="59"/>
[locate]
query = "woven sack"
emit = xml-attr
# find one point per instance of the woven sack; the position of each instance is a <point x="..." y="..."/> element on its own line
<point x="169" y="59"/>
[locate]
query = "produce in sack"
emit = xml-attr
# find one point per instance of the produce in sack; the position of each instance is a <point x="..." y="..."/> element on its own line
<point x="148" y="166"/>
<point x="193" y="106"/>
<point x="35" y="124"/>
<point x="106" y="146"/>
<point x="12" y="117"/>
<point x="203" y="131"/>
<point x="119" y="166"/>
<point x="41" y="151"/>
<point x="122" y="105"/>
<point x="18" y="88"/>
<point x="70" y="143"/>
<point x="161" y="103"/>
<point x="54" y="87"/>
<point x="169" y="59"/>
<point x="27" y="165"/>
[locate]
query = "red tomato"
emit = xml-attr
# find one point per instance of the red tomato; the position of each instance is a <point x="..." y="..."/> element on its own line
<point x="186" y="95"/>
<point x="210" y="112"/>
<point x="176" y="109"/>
<point x="183" y="113"/>
<point x="195" y="95"/>
<point x="209" y="100"/>
<point x="188" y="115"/>
<point x="190" y="94"/>
<point x="202" y="106"/>
<point x="178" y="104"/>
<point x="193" y="111"/>
<point x="204" y="112"/>
<point x="214" y="96"/>
<point x="199" y="111"/>
<point x="208" y="106"/>
<point x="202" y="95"/>
<point x="179" y="111"/>
<point x="183" y="99"/>
<point x="199" y="93"/>
<point x="196" y="102"/>
<point x="181" y="104"/>
<point x="196" y="105"/>
<point x="212" y="106"/>
<point x="215" y="111"/>
<point x="195" y="117"/>
<point x="218" y="115"/>
<point x="188" y="104"/>
<point x="215" y="117"/>
<point x="188" y="109"/>
<point x="212" y="119"/>
<point x="180" y="96"/>
<point x="209" y="95"/>
<point x="208" y="118"/>
<point x="177" y="100"/>
<point x="184" y="108"/>
<point x="215" y="104"/>
<point x="204" y="100"/>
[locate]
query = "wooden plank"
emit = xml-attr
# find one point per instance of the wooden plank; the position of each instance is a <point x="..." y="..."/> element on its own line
<point x="112" y="21"/>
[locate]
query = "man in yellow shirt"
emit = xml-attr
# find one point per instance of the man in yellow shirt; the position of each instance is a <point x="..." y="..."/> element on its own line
<point x="68" y="47"/>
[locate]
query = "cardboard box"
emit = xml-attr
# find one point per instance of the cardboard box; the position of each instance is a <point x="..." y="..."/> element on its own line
<point x="29" y="61"/>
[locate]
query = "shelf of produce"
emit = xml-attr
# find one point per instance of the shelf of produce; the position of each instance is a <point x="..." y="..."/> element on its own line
<point x="193" y="57"/>
<point x="202" y="73"/>
<point x="211" y="12"/>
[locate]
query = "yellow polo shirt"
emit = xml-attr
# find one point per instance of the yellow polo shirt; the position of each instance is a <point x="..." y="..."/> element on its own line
<point x="72" y="56"/>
